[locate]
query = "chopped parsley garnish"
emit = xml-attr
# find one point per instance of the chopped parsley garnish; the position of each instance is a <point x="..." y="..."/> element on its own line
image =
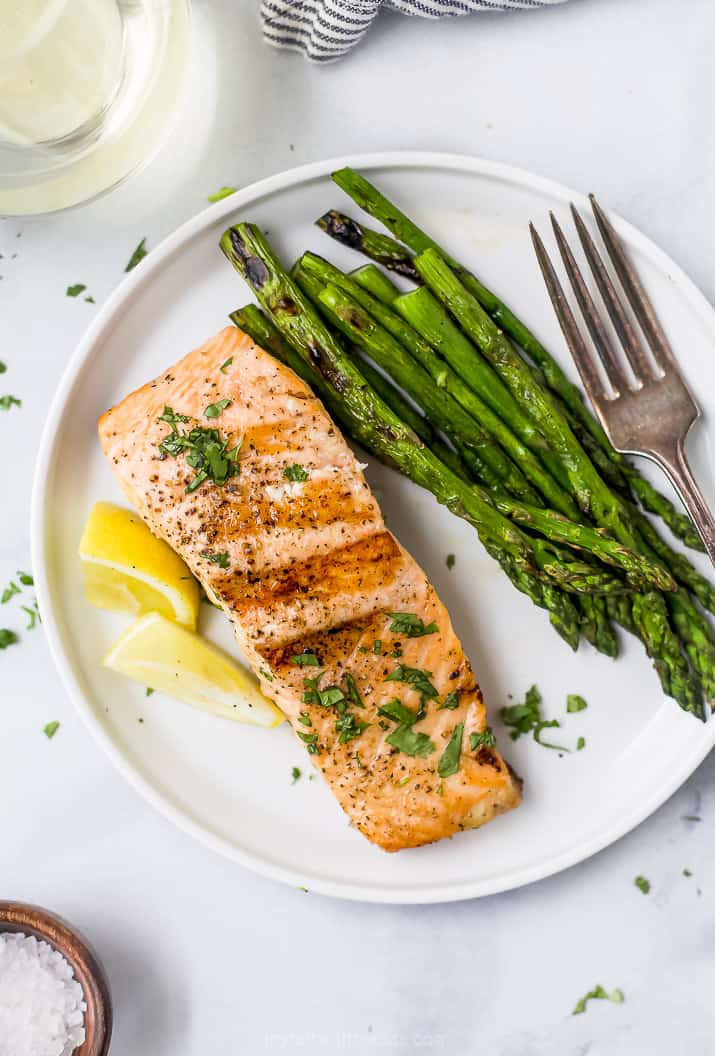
<point x="33" y="615"/>
<point x="598" y="994"/>
<point x="74" y="291"/>
<point x="10" y="590"/>
<point x="403" y="781"/>
<point x="223" y="192"/>
<point x="642" y="884"/>
<point x="353" y="691"/>
<point x="205" y="451"/>
<point x="226" y="364"/>
<point x="575" y="703"/>
<point x="484" y="739"/>
<point x="6" y="402"/>
<point x="149" y="691"/>
<point x="266" y="674"/>
<point x="214" y="410"/>
<point x="304" y="719"/>
<point x="7" y="638"/>
<point x="450" y="561"/>
<point x="295" y="473"/>
<point x="3" y="368"/>
<point x="451" y="701"/>
<point x="377" y="646"/>
<point x="216" y="559"/>
<point x="349" y="727"/>
<point x="139" y="253"/>
<point x="310" y="740"/>
<point x="449" y="762"/>
<point x="580" y="744"/>
<point x="326" y="698"/>
<point x="686" y="872"/>
<point x="26" y="579"/>
<point x="90" y="300"/>
<point x="417" y="678"/>
<point x="396" y="710"/>
<point x="331" y="696"/>
<point x="412" y="743"/>
<point x="526" y="718"/>
<point x="51" y="729"/>
<point x="411" y="625"/>
<point x="295" y="774"/>
<point x="306" y="659"/>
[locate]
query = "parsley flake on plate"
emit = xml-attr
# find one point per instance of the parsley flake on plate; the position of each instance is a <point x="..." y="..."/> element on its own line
<point x="33" y="615"/>
<point x="149" y="691"/>
<point x="226" y="364"/>
<point x="214" y="410"/>
<point x="574" y="703"/>
<point x="642" y="884"/>
<point x="411" y="625"/>
<point x="7" y="638"/>
<point x="3" y="367"/>
<point x="51" y="729"/>
<point x="216" y="559"/>
<point x="26" y="579"/>
<point x="138" y="255"/>
<point x="580" y="744"/>
<point x="74" y="291"/>
<point x="295" y="774"/>
<point x="10" y="590"/>
<point x="295" y="473"/>
<point x="449" y="761"/>
<point x="310" y="740"/>
<point x="223" y="192"/>
<point x="6" y="402"/>
<point x="526" y="718"/>
<point x="450" y="561"/>
<point x="598" y="994"/>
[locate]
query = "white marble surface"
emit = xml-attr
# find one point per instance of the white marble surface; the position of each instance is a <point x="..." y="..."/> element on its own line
<point x="204" y="957"/>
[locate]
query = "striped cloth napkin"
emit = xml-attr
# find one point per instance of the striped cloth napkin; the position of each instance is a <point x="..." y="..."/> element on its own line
<point x="325" y="29"/>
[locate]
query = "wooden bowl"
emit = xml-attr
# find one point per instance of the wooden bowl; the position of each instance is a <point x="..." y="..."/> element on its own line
<point x="32" y="920"/>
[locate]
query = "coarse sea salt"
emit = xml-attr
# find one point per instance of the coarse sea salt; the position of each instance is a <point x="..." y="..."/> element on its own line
<point x="41" y="1003"/>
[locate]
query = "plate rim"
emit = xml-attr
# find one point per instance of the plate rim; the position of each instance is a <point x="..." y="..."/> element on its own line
<point x="402" y="894"/>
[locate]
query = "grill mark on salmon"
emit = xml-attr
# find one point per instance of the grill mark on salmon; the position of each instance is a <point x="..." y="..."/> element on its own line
<point x="311" y="566"/>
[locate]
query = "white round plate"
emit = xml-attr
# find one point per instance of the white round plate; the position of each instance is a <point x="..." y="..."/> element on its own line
<point x="229" y="785"/>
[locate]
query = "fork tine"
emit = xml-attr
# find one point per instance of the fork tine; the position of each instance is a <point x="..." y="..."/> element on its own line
<point x="611" y="363"/>
<point x="632" y="347"/>
<point x="569" y="327"/>
<point x="638" y="298"/>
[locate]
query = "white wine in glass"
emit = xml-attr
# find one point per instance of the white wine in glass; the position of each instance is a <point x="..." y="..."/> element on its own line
<point x="87" y="90"/>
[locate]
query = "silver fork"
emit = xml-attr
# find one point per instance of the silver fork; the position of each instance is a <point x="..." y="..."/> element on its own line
<point x="652" y="413"/>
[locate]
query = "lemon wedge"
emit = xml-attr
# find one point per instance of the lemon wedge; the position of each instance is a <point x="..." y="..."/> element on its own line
<point x="127" y="569"/>
<point x="160" y="654"/>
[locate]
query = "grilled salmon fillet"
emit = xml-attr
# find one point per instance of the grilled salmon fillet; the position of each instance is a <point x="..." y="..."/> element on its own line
<point x="338" y="621"/>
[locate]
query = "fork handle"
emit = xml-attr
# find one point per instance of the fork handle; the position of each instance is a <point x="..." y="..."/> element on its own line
<point x="678" y="469"/>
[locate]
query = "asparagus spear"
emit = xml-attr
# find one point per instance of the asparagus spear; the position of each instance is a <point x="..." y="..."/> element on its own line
<point x="596" y="626"/>
<point x="437" y="403"/>
<point x="367" y="334"/>
<point x="373" y="202"/>
<point x="432" y="322"/>
<point x="563" y="615"/>
<point x="348" y="316"/>
<point x="377" y="246"/>
<point x="375" y="282"/>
